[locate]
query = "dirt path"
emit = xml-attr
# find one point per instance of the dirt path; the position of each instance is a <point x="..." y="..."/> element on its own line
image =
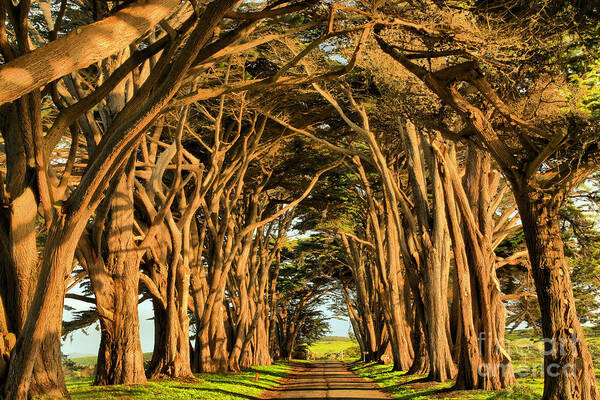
<point x="325" y="380"/>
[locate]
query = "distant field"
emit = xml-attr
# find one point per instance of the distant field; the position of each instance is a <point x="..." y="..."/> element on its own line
<point x="90" y="361"/>
<point x="331" y="349"/>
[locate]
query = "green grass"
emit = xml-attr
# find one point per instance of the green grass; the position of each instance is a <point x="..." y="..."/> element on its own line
<point x="203" y="386"/>
<point x="331" y="346"/>
<point x="405" y="387"/>
<point x="525" y="349"/>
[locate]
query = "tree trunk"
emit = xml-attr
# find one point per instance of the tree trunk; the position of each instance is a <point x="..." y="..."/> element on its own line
<point x="568" y="366"/>
<point x="483" y="360"/>
<point x="161" y="339"/>
<point x="47" y="305"/>
<point x="120" y="359"/>
<point x="420" y="364"/>
<point x="19" y="258"/>
<point x="218" y="337"/>
<point x="171" y="355"/>
<point x="20" y="271"/>
<point x="262" y="355"/>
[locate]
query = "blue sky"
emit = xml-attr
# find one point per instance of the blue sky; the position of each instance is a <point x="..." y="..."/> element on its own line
<point x="84" y="343"/>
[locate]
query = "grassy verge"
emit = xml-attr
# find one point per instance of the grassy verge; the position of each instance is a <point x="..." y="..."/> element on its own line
<point x="203" y="386"/>
<point x="402" y="386"/>
<point x="525" y="349"/>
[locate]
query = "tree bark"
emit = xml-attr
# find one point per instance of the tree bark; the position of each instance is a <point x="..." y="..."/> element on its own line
<point x="431" y="233"/>
<point x="85" y="46"/>
<point x="20" y="270"/>
<point x="484" y="362"/>
<point x="120" y="359"/>
<point x="48" y="300"/>
<point x="568" y="367"/>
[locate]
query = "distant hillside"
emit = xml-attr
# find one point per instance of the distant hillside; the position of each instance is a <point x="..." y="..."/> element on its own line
<point x="335" y="339"/>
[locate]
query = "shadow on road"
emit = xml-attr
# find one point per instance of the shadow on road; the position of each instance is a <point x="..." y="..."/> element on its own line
<point x="325" y="380"/>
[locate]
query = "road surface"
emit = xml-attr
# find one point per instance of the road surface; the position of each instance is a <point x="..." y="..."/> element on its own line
<point x="325" y="380"/>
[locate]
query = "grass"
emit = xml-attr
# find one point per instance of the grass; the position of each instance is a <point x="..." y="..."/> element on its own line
<point x="525" y="349"/>
<point x="405" y="387"/>
<point x="523" y="346"/>
<point x="327" y="349"/>
<point x="202" y="386"/>
<point x="327" y="346"/>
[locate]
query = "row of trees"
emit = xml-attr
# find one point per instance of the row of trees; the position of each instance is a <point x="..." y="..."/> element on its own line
<point x="162" y="149"/>
<point x="121" y="178"/>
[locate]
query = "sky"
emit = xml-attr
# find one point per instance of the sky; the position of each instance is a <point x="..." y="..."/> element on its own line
<point x="86" y="342"/>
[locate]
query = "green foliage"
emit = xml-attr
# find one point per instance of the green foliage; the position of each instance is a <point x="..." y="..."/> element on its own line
<point x="582" y="249"/>
<point x="334" y="205"/>
<point x="315" y="326"/>
<point x="589" y="82"/>
<point x="203" y="386"/>
<point x="304" y="280"/>
<point x="72" y="364"/>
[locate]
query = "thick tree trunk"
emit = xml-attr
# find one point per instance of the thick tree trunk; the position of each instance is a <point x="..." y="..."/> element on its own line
<point x="19" y="255"/>
<point x="171" y="355"/>
<point x="202" y="357"/>
<point x="568" y="366"/>
<point x="399" y="334"/>
<point x="435" y="274"/>
<point x="48" y="305"/>
<point x="420" y="364"/>
<point x="20" y="272"/>
<point x="218" y="337"/>
<point x="483" y="360"/>
<point x="48" y="380"/>
<point x="120" y="359"/>
<point x="262" y="355"/>
<point x="161" y="340"/>
<point x="262" y="334"/>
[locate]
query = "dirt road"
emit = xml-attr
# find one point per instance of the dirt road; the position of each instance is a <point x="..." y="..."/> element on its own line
<point x="325" y="380"/>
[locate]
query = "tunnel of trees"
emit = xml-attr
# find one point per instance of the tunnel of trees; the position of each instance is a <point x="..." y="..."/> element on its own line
<point x="432" y="163"/>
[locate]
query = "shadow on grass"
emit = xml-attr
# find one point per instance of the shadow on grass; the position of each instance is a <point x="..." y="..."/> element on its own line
<point x="221" y="391"/>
